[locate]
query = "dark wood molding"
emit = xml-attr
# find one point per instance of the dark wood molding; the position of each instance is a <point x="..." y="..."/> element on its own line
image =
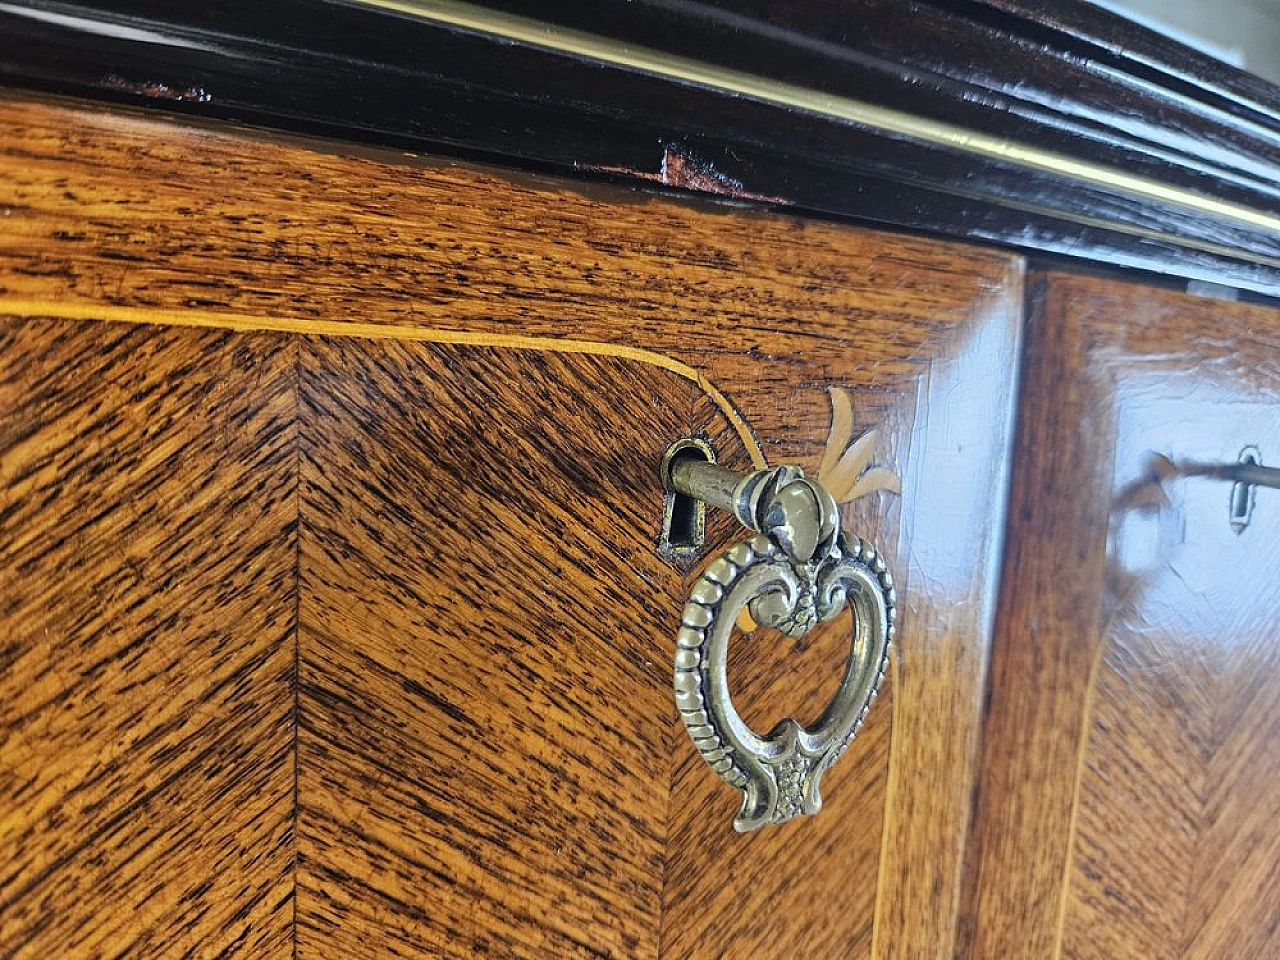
<point x="1061" y="79"/>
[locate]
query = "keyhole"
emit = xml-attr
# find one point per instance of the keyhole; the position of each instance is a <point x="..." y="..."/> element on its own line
<point x="684" y="524"/>
<point x="1244" y="494"/>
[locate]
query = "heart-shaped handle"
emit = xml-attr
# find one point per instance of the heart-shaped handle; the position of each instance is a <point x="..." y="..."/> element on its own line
<point x="798" y="571"/>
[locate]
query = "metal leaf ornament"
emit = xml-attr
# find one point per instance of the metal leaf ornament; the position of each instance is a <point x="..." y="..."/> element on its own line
<point x="845" y="469"/>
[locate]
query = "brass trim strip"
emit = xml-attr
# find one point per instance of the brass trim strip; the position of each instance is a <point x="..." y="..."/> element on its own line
<point x="51" y="310"/>
<point x="546" y="36"/>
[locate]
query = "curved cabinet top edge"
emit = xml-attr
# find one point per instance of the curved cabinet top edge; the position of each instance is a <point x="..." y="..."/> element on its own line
<point x="1119" y="147"/>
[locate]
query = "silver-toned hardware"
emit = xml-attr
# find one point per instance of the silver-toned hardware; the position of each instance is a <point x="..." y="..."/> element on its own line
<point x="799" y="570"/>
<point x="1248" y="470"/>
<point x="1243" y="492"/>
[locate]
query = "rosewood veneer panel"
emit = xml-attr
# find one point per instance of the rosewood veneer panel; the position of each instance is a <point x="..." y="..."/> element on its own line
<point x="1131" y="778"/>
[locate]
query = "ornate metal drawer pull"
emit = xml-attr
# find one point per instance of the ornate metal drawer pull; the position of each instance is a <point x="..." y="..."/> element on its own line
<point x="799" y="570"/>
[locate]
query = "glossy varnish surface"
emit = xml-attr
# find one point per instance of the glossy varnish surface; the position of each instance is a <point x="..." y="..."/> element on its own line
<point x="465" y="344"/>
<point x="1131" y="781"/>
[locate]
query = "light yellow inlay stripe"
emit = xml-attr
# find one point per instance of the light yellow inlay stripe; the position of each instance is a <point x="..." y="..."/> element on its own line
<point x="1073" y="824"/>
<point x="682" y="69"/>
<point x="40" y="309"/>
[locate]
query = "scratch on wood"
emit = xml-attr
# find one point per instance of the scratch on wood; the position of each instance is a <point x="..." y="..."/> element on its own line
<point x="156" y="90"/>
<point x="681" y="168"/>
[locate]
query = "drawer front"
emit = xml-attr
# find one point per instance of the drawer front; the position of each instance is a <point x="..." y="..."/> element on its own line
<point x="1131" y="782"/>
<point x="335" y="611"/>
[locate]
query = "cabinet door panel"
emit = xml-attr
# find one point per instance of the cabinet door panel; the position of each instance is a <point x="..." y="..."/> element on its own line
<point x="1131" y="784"/>
<point x="488" y="368"/>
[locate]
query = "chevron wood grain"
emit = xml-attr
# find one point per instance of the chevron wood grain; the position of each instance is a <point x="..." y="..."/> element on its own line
<point x="1131" y="783"/>
<point x="484" y="707"/>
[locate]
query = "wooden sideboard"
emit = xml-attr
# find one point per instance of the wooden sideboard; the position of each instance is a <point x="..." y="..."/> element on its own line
<point x="336" y="618"/>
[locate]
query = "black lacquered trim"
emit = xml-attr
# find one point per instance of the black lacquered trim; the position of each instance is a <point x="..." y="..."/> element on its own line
<point x="1038" y="77"/>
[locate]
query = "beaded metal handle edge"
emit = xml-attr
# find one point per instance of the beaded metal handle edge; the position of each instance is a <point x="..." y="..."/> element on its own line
<point x="798" y="571"/>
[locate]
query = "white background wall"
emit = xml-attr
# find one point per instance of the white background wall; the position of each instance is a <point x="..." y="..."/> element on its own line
<point x="1243" y="32"/>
